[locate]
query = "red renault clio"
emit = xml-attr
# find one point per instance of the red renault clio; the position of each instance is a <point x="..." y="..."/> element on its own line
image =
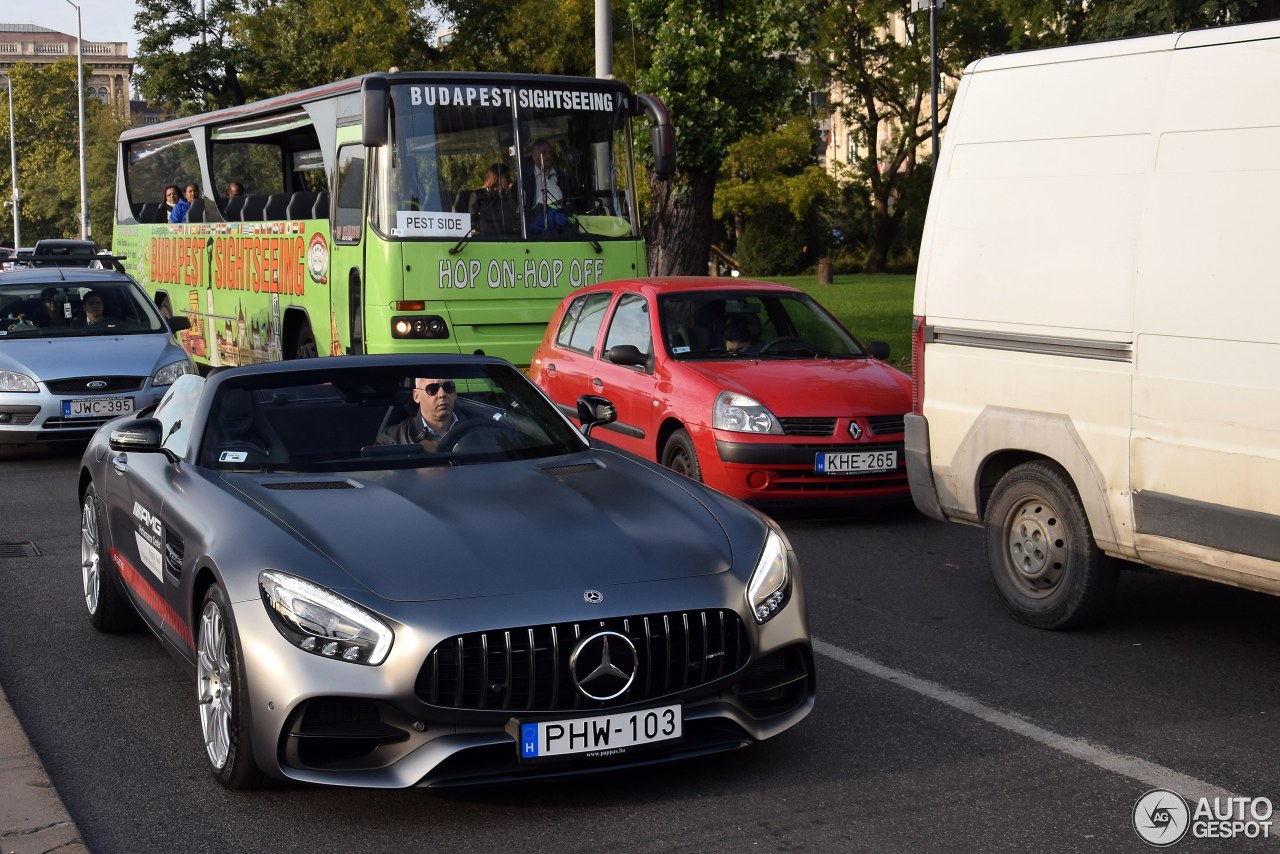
<point x="750" y="387"/>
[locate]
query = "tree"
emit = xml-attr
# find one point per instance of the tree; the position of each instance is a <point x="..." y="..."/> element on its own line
<point x="188" y="62"/>
<point x="725" y="69"/>
<point x="777" y="171"/>
<point x="298" y="44"/>
<point x="530" y="36"/>
<point x="245" y="50"/>
<point x="46" y="125"/>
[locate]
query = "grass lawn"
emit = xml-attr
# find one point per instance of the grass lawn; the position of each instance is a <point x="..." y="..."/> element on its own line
<point x="875" y="307"/>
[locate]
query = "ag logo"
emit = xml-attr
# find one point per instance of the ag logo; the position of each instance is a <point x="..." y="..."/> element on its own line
<point x="1161" y="817"/>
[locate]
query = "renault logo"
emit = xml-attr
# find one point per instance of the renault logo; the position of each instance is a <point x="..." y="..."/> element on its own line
<point x="854" y="430"/>
<point x="96" y="384"/>
<point x="603" y="665"/>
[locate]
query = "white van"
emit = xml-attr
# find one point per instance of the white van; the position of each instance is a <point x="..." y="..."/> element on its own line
<point x="1096" y="342"/>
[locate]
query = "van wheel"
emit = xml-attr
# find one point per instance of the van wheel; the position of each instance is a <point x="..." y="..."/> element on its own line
<point x="1040" y="548"/>
<point x="680" y="456"/>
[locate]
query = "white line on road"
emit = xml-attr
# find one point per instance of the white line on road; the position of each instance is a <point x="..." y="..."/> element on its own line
<point x="1149" y="773"/>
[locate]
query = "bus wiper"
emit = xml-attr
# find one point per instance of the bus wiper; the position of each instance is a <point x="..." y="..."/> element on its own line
<point x="462" y="242"/>
<point x="591" y="238"/>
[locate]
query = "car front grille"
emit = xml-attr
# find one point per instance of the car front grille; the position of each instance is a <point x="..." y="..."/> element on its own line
<point x="808" y="427"/>
<point x="527" y="668"/>
<point x="880" y="425"/>
<point x="60" y="423"/>
<point x="80" y="385"/>
<point x="883" y="425"/>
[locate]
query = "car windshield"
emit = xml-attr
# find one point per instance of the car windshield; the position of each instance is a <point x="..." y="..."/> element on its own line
<point x="700" y="325"/>
<point x="366" y="418"/>
<point x="62" y="309"/>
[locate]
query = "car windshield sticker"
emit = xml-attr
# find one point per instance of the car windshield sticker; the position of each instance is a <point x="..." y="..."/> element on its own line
<point x="233" y="456"/>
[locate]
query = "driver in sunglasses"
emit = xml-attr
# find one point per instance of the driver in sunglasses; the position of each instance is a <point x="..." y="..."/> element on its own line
<point x="436" y="401"/>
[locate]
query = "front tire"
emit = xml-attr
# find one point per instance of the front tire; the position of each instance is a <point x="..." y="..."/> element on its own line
<point x="1043" y="559"/>
<point x="222" y="696"/>
<point x="306" y="346"/>
<point x="109" y="608"/>
<point x="679" y="456"/>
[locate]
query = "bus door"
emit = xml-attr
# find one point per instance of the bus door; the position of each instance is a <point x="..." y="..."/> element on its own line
<point x="347" y="268"/>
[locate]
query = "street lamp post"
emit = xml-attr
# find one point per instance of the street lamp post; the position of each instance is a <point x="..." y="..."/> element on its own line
<point x="933" y="6"/>
<point x="13" y="167"/>
<point x="84" y="185"/>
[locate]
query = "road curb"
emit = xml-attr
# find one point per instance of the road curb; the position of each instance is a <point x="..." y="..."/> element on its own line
<point x="33" y="818"/>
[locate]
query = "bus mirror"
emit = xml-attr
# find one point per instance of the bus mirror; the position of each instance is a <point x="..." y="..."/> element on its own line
<point x="373" y="97"/>
<point x="662" y="137"/>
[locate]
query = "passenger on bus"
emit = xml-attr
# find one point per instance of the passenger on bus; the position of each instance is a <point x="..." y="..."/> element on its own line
<point x="544" y="184"/>
<point x="183" y="208"/>
<point x="234" y="188"/>
<point x="493" y="207"/>
<point x="172" y="196"/>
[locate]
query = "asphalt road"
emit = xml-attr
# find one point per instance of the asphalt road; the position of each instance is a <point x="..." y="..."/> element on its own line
<point x="941" y="724"/>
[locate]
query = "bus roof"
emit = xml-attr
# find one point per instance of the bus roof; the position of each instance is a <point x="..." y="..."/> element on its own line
<point x="352" y="85"/>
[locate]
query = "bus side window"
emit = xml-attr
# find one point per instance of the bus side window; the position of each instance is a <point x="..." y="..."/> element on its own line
<point x="348" y="221"/>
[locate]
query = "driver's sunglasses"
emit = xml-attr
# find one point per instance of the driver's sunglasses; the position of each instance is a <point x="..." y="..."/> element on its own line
<point x="432" y="389"/>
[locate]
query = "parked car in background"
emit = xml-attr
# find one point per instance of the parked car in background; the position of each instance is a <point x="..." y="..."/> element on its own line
<point x="750" y="387"/>
<point x="67" y="368"/>
<point x="509" y="601"/>
<point x="64" y="252"/>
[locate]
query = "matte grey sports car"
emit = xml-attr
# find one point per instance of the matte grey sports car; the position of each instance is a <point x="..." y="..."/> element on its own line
<point x="504" y="599"/>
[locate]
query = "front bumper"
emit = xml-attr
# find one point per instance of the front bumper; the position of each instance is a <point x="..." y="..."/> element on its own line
<point x="327" y="722"/>
<point x="38" y="416"/>
<point x="781" y="468"/>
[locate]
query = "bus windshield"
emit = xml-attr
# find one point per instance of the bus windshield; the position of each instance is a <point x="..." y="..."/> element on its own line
<point x="506" y="162"/>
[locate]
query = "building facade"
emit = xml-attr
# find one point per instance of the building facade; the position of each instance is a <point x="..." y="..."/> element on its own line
<point x="110" y="64"/>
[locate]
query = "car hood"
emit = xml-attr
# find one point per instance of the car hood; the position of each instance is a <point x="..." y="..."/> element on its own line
<point x="497" y="529"/>
<point x="57" y="358"/>
<point x="813" y="387"/>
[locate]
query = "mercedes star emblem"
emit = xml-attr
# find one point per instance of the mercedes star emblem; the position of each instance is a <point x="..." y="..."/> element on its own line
<point x="603" y="665"/>
<point x="593" y="597"/>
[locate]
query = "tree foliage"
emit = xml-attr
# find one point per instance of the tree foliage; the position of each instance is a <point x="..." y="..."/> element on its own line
<point x="725" y="69"/>
<point x="530" y="36"/>
<point x="245" y="50"/>
<point x="47" y="131"/>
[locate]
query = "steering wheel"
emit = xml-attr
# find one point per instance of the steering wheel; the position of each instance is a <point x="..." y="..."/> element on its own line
<point x="463" y="429"/>
<point x="785" y="341"/>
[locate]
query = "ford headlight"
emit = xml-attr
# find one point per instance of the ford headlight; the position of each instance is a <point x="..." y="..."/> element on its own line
<point x="770" y="584"/>
<point x="14" y="381"/>
<point x="323" y="623"/>
<point x="741" y="414"/>
<point x="168" y="375"/>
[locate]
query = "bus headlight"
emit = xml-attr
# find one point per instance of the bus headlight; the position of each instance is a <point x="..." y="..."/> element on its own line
<point x="431" y="326"/>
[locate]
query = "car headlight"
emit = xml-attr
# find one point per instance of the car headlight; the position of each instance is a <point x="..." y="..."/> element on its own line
<point x="741" y="414"/>
<point x="323" y="623"/>
<point x="770" y="584"/>
<point x="168" y="375"/>
<point x="14" y="381"/>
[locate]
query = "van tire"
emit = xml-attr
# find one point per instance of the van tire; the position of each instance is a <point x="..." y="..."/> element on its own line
<point x="1041" y="552"/>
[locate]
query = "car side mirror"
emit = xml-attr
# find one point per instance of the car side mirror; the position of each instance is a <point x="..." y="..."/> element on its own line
<point x="626" y="354"/>
<point x="178" y="323"/>
<point x="594" y="409"/>
<point x="139" y="434"/>
<point x="878" y="349"/>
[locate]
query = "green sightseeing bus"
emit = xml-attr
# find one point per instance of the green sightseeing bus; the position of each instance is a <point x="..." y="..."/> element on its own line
<point x="396" y="212"/>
